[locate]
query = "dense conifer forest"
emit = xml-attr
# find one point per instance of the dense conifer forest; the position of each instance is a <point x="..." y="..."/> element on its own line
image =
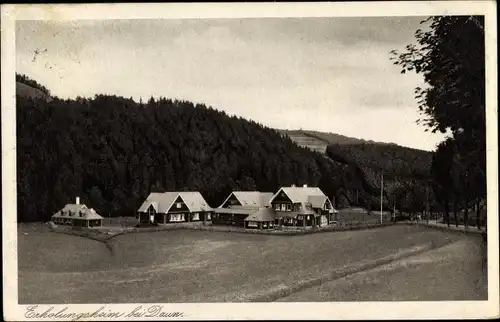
<point x="112" y="152"/>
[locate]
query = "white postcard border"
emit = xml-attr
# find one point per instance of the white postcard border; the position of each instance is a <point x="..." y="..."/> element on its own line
<point x="206" y="311"/>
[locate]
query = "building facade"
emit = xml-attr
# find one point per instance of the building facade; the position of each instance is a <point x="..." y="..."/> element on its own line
<point x="302" y="206"/>
<point x="261" y="219"/>
<point x="174" y="207"/>
<point x="239" y="205"/>
<point x="289" y="207"/>
<point x="78" y="215"/>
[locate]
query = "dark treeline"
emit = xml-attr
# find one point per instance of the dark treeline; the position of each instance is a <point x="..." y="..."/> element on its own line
<point x="450" y="55"/>
<point x="459" y="172"/>
<point x="391" y="160"/>
<point x="406" y="174"/>
<point x="112" y="152"/>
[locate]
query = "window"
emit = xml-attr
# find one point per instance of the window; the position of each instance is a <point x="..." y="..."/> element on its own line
<point x="177" y="217"/>
<point x="178" y="205"/>
<point x="196" y="216"/>
<point x="277" y="207"/>
<point x="288" y="207"/>
<point x="209" y="217"/>
<point x="283" y="207"/>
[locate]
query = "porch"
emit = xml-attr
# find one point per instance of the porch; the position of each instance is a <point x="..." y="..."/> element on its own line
<point x="167" y="218"/>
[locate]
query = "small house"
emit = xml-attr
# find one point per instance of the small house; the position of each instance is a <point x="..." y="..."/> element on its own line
<point x="239" y="205"/>
<point x="174" y="207"/>
<point x="302" y="206"/>
<point x="261" y="219"/>
<point x="78" y="215"/>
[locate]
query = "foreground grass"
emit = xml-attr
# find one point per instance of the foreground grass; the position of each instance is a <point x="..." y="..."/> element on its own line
<point x="195" y="266"/>
<point x="453" y="272"/>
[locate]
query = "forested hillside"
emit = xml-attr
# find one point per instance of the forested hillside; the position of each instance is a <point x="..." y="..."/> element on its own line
<point x="112" y="152"/>
<point x="406" y="172"/>
<point x="340" y="139"/>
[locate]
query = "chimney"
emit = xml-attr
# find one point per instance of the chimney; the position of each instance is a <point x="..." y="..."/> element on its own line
<point x="305" y="186"/>
<point x="77" y="200"/>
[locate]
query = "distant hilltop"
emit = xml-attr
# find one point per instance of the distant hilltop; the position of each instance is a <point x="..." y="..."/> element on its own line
<point x="319" y="141"/>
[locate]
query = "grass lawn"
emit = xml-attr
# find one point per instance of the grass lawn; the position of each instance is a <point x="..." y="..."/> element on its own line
<point x="450" y="273"/>
<point x="193" y="266"/>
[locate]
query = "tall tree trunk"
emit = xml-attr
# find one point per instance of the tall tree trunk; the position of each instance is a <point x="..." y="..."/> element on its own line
<point x="478" y="212"/>
<point x="466" y="213"/>
<point x="455" y="210"/>
<point x="447" y="212"/>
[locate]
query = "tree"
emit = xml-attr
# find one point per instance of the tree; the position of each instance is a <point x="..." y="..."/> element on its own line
<point x="450" y="55"/>
<point x="441" y="173"/>
<point x="96" y="199"/>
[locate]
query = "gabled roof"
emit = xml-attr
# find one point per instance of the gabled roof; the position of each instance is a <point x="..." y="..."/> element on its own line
<point x="195" y="201"/>
<point x="317" y="201"/>
<point x="251" y="198"/>
<point x="300" y="194"/>
<point x="75" y="210"/>
<point x="91" y="215"/>
<point x="263" y="214"/>
<point x="162" y="202"/>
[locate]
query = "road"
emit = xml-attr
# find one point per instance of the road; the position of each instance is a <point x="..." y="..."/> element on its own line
<point x="452" y="272"/>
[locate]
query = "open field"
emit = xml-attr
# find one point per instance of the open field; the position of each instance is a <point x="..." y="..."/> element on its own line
<point x="197" y="266"/>
<point x="453" y="272"/>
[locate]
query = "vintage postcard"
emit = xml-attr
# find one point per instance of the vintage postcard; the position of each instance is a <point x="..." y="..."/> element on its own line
<point x="250" y="161"/>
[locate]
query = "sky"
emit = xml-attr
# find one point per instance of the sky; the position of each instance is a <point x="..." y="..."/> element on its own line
<point x="325" y="74"/>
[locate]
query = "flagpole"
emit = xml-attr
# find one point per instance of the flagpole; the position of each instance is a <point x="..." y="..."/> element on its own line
<point x="381" y="196"/>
